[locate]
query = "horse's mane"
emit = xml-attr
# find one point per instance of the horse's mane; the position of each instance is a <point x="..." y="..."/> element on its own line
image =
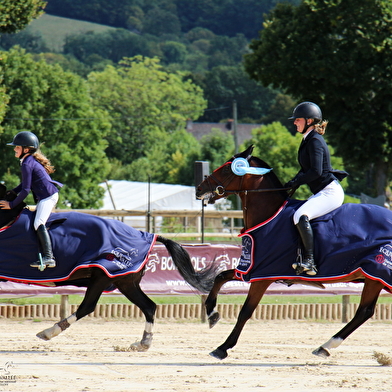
<point x="271" y="175"/>
<point x="7" y="216"/>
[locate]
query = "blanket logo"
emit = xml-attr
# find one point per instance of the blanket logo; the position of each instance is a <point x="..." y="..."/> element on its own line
<point x="245" y="260"/>
<point x="385" y="256"/>
<point x="123" y="259"/>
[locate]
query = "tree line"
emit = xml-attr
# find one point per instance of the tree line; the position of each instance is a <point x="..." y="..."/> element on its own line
<point x="211" y="55"/>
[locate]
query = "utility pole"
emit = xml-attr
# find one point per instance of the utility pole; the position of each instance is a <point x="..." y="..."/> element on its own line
<point x="235" y="134"/>
<point x="235" y="126"/>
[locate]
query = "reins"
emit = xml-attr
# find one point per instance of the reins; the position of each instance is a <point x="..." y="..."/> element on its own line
<point x="220" y="189"/>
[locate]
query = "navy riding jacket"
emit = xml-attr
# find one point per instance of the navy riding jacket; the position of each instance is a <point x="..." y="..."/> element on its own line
<point x="315" y="162"/>
<point x="35" y="179"/>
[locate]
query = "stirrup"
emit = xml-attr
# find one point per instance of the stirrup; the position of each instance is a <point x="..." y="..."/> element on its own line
<point x="300" y="265"/>
<point x="42" y="263"/>
<point x="298" y="261"/>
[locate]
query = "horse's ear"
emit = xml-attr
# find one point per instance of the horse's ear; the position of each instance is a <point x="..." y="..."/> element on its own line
<point x="248" y="152"/>
<point x="245" y="154"/>
<point x="3" y="190"/>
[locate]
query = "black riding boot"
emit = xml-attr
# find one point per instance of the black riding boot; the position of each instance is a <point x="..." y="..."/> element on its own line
<point x="46" y="246"/>
<point x="306" y="233"/>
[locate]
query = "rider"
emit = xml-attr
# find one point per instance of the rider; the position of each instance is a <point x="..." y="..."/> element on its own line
<point x="35" y="168"/>
<point x="316" y="171"/>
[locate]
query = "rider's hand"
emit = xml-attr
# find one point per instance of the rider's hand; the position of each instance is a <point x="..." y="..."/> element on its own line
<point x="5" y="205"/>
<point x="290" y="184"/>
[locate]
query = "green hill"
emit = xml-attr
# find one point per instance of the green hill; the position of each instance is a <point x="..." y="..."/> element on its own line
<point x="54" y="29"/>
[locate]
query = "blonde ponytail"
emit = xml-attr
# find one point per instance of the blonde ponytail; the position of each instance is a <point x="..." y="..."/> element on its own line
<point x="45" y="162"/>
<point x="320" y="127"/>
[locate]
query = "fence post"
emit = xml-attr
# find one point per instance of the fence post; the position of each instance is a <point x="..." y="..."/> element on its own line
<point x="345" y="307"/>
<point x="64" y="307"/>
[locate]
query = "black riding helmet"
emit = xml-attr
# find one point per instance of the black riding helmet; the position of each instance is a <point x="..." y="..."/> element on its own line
<point x="25" y="139"/>
<point x="307" y="110"/>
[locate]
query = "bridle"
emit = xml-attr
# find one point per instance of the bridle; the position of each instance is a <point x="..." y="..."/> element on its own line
<point x="221" y="190"/>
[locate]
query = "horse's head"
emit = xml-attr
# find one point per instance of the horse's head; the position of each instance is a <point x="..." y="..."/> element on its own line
<point x="240" y="173"/>
<point x="252" y="180"/>
<point x="7" y="216"/>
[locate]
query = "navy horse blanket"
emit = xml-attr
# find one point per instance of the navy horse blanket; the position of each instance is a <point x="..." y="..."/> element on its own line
<point x="79" y="241"/>
<point x="354" y="237"/>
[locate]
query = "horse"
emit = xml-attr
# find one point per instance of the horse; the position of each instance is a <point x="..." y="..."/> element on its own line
<point x="347" y="246"/>
<point x="100" y="254"/>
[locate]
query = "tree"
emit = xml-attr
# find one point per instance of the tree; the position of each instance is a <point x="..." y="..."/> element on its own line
<point x="17" y="14"/>
<point x="216" y="148"/>
<point x="173" y="52"/>
<point x="159" y="22"/>
<point x="280" y="106"/>
<point x="56" y="106"/>
<point x="184" y="150"/>
<point x="112" y="45"/>
<point x="147" y="106"/>
<point x="112" y="13"/>
<point x="28" y="40"/>
<point x="224" y="17"/>
<point x="224" y="84"/>
<point x="324" y="51"/>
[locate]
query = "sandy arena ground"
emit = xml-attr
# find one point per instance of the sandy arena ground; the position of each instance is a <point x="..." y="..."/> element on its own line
<point x="270" y="356"/>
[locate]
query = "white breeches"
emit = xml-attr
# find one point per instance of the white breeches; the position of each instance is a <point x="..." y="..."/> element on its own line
<point x="327" y="200"/>
<point x="44" y="209"/>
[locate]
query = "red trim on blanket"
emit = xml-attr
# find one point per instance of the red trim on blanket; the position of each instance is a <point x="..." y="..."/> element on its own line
<point x="239" y="276"/>
<point x="265" y="222"/>
<point x="7" y="227"/>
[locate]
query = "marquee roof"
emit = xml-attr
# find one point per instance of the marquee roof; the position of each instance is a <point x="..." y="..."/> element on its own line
<point x="132" y="195"/>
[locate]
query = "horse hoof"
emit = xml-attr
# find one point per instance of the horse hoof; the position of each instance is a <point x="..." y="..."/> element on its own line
<point x="42" y="335"/>
<point x="321" y="352"/>
<point x="140" y="348"/>
<point x="219" y="354"/>
<point x="213" y="318"/>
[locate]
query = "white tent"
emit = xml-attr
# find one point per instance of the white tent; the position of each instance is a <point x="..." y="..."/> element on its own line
<point x="132" y="195"/>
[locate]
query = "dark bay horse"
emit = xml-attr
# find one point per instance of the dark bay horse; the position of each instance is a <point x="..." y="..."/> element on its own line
<point x="83" y="252"/>
<point x="349" y="251"/>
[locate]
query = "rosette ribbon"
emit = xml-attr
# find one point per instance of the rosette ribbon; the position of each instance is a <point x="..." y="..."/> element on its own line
<point x="240" y="167"/>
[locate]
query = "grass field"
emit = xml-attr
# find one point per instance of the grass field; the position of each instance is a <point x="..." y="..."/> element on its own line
<point x="54" y="29"/>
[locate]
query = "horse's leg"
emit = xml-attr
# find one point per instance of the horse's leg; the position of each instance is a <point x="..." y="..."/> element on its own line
<point x="131" y="289"/>
<point x="365" y="311"/>
<point x="210" y="304"/>
<point x="256" y="291"/>
<point x="99" y="281"/>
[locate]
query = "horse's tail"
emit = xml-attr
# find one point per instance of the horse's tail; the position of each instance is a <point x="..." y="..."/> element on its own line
<point x="202" y="280"/>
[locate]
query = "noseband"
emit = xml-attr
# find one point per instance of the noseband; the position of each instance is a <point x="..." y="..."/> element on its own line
<point x="220" y="189"/>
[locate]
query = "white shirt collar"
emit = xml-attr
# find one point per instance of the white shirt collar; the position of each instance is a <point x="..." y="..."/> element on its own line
<point x="307" y="133"/>
<point x="25" y="156"/>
